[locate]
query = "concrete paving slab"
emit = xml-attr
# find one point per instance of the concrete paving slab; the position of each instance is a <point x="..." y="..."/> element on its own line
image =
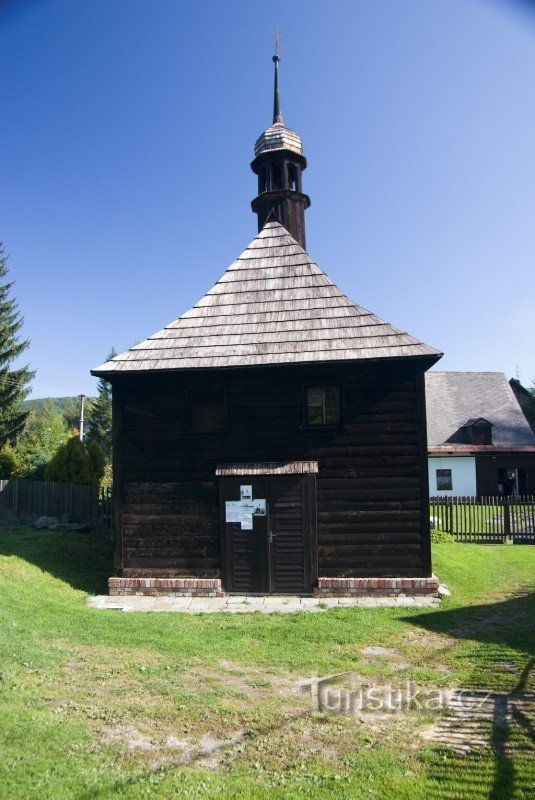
<point x="248" y="604"/>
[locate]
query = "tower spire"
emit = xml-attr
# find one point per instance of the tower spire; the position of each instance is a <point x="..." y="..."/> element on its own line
<point x="279" y="163"/>
<point x="277" y="114"/>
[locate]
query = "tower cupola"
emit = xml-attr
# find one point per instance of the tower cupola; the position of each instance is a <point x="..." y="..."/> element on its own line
<point x="279" y="163"/>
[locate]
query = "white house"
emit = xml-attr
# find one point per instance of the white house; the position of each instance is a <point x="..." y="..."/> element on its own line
<point x="479" y="441"/>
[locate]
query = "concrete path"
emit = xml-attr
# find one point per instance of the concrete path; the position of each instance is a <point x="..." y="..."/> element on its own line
<point x="267" y="604"/>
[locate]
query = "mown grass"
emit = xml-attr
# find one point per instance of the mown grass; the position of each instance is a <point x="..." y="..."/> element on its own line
<point x="100" y="704"/>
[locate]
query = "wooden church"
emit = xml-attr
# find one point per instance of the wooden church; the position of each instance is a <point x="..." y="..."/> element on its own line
<point x="273" y="438"/>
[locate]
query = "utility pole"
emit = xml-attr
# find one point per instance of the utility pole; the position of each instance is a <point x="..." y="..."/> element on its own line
<point x="81" y="398"/>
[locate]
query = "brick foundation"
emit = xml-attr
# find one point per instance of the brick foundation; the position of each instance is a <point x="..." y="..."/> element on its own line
<point x="181" y="587"/>
<point x="377" y="587"/>
<point x="327" y="587"/>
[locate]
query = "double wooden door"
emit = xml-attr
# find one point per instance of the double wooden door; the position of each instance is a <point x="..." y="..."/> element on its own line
<point x="268" y="533"/>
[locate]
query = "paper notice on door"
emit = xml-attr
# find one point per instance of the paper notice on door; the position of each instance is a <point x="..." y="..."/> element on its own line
<point x="259" y="508"/>
<point x="246" y="492"/>
<point x="247" y="522"/>
<point x="233" y="511"/>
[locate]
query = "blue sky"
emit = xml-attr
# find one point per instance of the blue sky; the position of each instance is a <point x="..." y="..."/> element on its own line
<point x="128" y="129"/>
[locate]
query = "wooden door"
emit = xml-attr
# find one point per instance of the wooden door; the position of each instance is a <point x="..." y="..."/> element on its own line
<point x="278" y="552"/>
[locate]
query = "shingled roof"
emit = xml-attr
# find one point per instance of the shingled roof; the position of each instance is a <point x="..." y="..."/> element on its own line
<point x="453" y="398"/>
<point x="273" y="305"/>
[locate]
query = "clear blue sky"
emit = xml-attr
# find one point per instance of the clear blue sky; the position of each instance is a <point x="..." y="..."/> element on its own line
<point x="128" y="128"/>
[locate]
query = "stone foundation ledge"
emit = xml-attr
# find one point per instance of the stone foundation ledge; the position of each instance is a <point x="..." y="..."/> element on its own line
<point x="172" y="587"/>
<point x="377" y="587"/>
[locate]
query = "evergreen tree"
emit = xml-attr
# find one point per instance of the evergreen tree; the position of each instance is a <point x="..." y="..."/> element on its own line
<point x="100" y="417"/>
<point x="75" y="462"/>
<point x="14" y="383"/>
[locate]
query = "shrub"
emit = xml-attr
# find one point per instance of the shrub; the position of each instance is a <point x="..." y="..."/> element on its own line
<point x="8" y="462"/>
<point x="438" y="536"/>
<point x="74" y="462"/>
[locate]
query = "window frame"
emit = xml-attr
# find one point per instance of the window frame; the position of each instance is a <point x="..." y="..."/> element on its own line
<point x="444" y="488"/>
<point x="190" y="426"/>
<point x="481" y="430"/>
<point x="324" y="425"/>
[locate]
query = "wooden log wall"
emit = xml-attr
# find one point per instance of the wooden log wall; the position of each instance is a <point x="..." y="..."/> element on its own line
<point x="372" y="501"/>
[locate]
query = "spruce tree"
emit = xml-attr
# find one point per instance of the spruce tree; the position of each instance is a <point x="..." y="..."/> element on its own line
<point x="100" y="416"/>
<point x="14" y="383"/>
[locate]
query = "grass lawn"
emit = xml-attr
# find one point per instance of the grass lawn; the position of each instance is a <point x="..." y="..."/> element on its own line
<point x="102" y="704"/>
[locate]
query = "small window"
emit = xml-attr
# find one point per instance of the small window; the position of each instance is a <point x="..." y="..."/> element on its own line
<point x="444" y="479"/>
<point x="481" y="434"/>
<point x="323" y="405"/>
<point x="261" y="181"/>
<point x="207" y="411"/>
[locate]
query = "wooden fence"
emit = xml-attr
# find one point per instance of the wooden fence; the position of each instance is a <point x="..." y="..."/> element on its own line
<point x="26" y="501"/>
<point x="485" y="519"/>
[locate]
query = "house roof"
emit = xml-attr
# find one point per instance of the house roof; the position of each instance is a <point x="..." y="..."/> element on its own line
<point x="454" y="397"/>
<point x="273" y="305"/>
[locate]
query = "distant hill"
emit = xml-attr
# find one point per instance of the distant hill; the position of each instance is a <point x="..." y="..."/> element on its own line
<point x="59" y="402"/>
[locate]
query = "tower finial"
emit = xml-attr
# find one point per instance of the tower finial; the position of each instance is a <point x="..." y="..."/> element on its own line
<point x="277" y="114"/>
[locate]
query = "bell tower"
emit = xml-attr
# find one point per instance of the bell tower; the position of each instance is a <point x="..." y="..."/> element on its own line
<point x="279" y="163"/>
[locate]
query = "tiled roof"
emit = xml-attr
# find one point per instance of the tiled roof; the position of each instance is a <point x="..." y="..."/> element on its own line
<point x="273" y="305"/>
<point x="454" y="397"/>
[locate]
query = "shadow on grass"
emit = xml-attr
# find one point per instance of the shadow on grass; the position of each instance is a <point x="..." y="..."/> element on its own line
<point x="80" y="558"/>
<point x="506" y="622"/>
<point x="506" y="768"/>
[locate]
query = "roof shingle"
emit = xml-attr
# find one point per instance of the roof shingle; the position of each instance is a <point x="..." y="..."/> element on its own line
<point x="452" y="398"/>
<point x="273" y="305"/>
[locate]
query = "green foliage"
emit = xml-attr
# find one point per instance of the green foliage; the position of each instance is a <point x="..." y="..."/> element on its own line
<point x="98" y="461"/>
<point x="107" y="480"/>
<point x="438" y="536"/>
<point x="44" y="432"/>
<point x="100" y="416"/>
<point x="71" y="413"/>
<point x="14" y="383"/>
<point x="75" y="462"/>
<point x="61" y="403"/>
<point x="8" y="462"/>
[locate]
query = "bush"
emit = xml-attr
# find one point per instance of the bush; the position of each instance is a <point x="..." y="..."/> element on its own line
<point x="438" y="536"/>
<point x="8" y="462"/>
<point x="44" y="432"/>
<point x="74" y="462"/>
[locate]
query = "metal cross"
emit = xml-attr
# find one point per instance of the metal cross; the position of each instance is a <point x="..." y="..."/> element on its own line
<point x="278" y="37"/>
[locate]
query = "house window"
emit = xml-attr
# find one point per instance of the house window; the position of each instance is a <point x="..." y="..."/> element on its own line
<point x="208" y="411"/>
<point x="323" y="405"/>
<point x="481" y="434"/>
<point x="444" y="480"/>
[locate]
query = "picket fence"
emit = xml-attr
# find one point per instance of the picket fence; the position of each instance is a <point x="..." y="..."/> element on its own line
<point x="485" y="519"/>
<point x="26" y="501"/>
